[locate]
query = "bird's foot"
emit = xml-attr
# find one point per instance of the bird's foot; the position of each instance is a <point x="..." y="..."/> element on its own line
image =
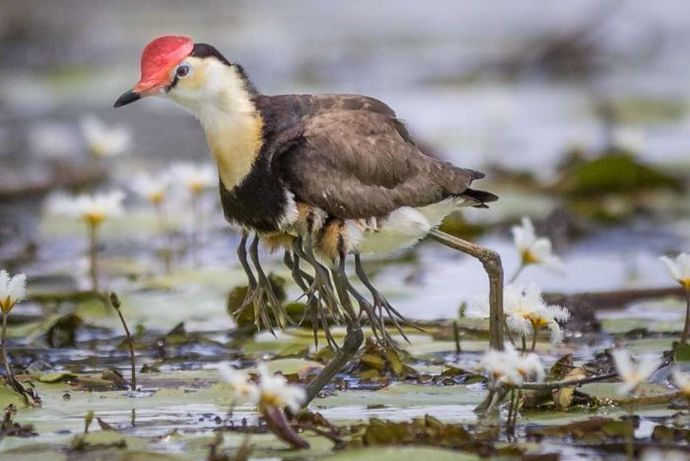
<point x="383" y="309"/>
<point x="268" y="310"/>
<point x="378" y="328"/>
<point x="321" y="291"/>
<point x="316" y="289"/>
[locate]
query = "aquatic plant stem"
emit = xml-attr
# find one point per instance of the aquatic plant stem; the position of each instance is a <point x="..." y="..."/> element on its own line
<point x="161" y="219"/>
<point x="196" y="225"/>
<point x="5" y="361"/>
<point x="509" y="333"/>
<point x="630" y="439"/>
<point x="496" y="396"/>
<point x="493" y="398"/>
<point x="165" y="235"/>
<point x="93" y="255"/>
<point x="456" y="337"/>
<point x="510" y="410"/>
<point x="566" y="383"/>
<point x="31" y="398"/>
<point x="686" y="328"/>
<point x="115" y="302"/>
<point x="512" y="416"/>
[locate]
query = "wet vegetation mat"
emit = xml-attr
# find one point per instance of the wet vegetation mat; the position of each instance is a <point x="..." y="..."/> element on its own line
<point x="422" y="398"/>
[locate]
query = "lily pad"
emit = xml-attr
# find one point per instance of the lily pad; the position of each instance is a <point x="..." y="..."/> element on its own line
<point x="398" y="453"/>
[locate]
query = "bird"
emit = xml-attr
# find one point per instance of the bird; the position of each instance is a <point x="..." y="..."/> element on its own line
<point x="326" y="177"/>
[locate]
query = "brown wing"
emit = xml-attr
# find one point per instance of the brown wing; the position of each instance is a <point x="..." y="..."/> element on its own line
<point x="362" y="163"/>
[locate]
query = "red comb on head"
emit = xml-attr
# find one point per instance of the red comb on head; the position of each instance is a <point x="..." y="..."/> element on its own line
<point x="158" y="59"/>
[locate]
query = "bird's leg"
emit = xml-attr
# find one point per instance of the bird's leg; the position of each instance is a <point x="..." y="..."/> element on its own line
<point x="377" y="326"/>
<point x="353" y="341"/>
<point x="381" y="303"/>
<point x="341" y="285"/>
<point x="492" y="265"/>
<point x="242" y="256"/>
<point x="345" y="289"/>
<point x="304" y="281"/>
<point x="251" y="280"/>
<point x="365" y="306"/>
<point x="301" y="278"/>
<point x="254" y="293"/>
<point x="266" y="296"/>
<point x="321" y="284"/>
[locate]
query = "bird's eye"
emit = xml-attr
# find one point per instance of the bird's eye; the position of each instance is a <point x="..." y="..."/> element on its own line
<point x="182" y="71"/>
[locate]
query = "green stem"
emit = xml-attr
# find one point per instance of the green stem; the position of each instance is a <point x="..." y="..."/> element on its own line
<point x="510" y="410"/>
<point x="552" y="385"/>
<point x="115" y="302"/>
<point x="509" y="333"/>
<point x="93" y="256"/>
<point x="515" y="410"/>
<point x="165" y="234"/>
<point x="524" y="343"/>
<point x="534" y="340"/>
<point x="160" y="218"/>
<point x="196" y="217"/>
<point x="456" y="337"/>
<point x="6" y="363"/>
<point x="686" y="328"/>
<point x="629" y="449"/>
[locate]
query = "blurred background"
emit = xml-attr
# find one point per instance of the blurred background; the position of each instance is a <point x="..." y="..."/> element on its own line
<point x="577" y="110"/>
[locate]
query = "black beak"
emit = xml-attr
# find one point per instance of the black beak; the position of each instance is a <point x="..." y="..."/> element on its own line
<point x="126" y="98"/>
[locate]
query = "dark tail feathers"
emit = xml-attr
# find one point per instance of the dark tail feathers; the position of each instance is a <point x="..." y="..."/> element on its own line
<point x="481" y="197"/>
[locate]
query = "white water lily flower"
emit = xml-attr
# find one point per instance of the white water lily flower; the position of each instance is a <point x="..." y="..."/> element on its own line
<point x="679" y="268"/>
<point x="633" y="374"/>
<point x="195" y="178"/>
<point x="245" y="391"/>
<point x="628" y="139"/>
<point x="526" y="305"/>
<point x="102" y="140"/>
<point x="533" y="249"/>
<point x="681" y="381"/>
<point x="275" y="391"/>
<point x="93" y="209"/>
<point x="151" y="188"/>
<point x="500" y="368"/>
<point x="510" y="367"/>
<point x="12" y="290"/>
<point x="526" y="311"/>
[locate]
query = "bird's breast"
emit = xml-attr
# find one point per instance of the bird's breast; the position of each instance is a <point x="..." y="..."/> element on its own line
<point x="259" y="203"/>
<point x="235" y="140"/>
